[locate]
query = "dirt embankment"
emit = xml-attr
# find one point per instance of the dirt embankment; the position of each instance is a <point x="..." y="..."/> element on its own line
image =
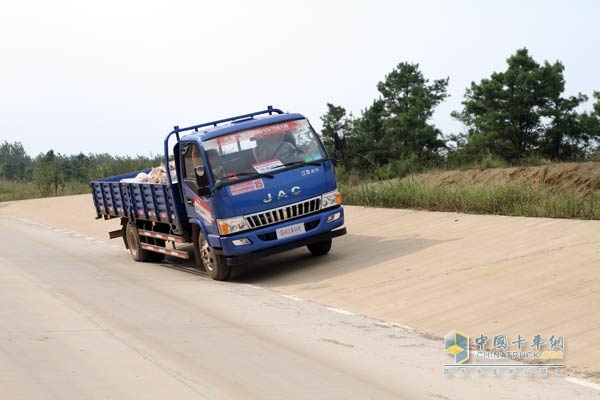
<point x="582" y="178"/>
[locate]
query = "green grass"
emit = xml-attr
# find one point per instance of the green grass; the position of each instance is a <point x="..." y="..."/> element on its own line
<point x="515" y="200"/>
<point x="10" y="191"/>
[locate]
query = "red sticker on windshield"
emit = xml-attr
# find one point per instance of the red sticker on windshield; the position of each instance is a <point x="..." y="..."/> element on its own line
<point x="253" y="134"/>
<point x="274" y="129"/>
<point x="246" y="187"/>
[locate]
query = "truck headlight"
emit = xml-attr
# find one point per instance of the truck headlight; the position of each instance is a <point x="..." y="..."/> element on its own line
<point x="232" y="225"/>
<point x="331" y="199"/>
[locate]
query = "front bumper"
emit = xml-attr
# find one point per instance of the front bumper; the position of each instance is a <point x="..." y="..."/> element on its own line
<point x="238" y="260"/>
<point x="264" y="241"/>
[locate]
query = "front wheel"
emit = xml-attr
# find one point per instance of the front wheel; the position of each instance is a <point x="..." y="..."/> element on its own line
<point x="320" y="248"/>
<point x="214" y="264"/>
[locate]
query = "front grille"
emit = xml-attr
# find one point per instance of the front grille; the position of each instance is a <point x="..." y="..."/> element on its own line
<point x="284" y="213"/>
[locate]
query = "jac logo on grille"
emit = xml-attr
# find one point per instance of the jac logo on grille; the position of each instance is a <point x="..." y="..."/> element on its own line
<point x="294" y="191"/>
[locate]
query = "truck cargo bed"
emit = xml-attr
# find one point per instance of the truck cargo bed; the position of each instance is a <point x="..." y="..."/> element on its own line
<point x="136" y="201"/>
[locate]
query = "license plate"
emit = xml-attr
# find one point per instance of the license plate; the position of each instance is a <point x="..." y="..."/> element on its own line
<point x="289" y="231"/>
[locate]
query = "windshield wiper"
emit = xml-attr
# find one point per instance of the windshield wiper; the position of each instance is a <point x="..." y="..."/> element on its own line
<point x="220" y="182"/>
<point x="295" y="163"/>
<point x="239" y="174"/>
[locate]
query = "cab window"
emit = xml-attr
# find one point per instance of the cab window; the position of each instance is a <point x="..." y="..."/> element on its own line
<point x="192" y="158"/>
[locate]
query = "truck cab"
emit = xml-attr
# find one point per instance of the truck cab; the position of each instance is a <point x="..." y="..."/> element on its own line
<point x="257" y="186"/>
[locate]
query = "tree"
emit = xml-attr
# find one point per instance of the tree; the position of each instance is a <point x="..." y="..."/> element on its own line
<point x="589" y="123"/>
<point x="366" y="142"/>
<point x="395" y="131"/>
<point x="15" y="164"/>
<point x="521" y="112"/>
<point x="48" y="174"/>
<point x="565" y="137"/>
<point x="335" y="127"/>
<point x="78" y="168"/>
<point x="394" y="134"/>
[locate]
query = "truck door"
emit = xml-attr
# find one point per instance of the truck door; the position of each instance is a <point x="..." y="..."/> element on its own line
<point x="195" y="186"/>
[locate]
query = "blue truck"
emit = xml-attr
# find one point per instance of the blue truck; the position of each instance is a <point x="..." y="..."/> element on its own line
<point x="242" y="187"/>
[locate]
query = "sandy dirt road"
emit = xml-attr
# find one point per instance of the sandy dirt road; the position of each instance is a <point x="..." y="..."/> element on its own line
<point x="434" y="272"/>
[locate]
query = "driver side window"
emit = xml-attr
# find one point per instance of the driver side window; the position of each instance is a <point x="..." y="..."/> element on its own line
<point x="191" y="158"/>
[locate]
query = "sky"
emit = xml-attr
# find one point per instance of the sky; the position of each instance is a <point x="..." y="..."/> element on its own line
<point x="115" y="76"/>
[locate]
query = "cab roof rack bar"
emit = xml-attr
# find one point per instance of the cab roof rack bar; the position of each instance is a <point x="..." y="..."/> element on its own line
<point x="270" y="110"/>
<point x="176" y="129"/>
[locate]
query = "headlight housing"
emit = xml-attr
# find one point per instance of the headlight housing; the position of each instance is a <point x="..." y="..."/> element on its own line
<point x="232" y="225"/>
<point x="331" y="199"/>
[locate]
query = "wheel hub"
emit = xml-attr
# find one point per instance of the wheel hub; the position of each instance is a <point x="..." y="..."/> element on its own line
<point x="206" y="253"/>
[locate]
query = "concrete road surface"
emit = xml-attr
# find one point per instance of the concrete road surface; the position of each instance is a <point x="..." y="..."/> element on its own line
<point x="80" y="320"/>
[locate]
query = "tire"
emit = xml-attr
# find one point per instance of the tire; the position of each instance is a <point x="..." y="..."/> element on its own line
<point x="133" y="242"/>
<point x="320" y="248"/>
<point x="214" y="264"/>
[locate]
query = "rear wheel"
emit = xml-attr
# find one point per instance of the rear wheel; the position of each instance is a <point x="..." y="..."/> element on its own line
<point x="320" y="248"/>
<point x="214" y="264"/>
<point x="133" y="242"/>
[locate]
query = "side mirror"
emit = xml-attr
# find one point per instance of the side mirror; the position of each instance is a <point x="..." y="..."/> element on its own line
<point x="202" y="181"/>
<point x="340" y="140"/>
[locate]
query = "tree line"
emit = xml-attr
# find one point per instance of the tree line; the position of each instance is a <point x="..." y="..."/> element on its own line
<point x="516" y="116"/>
<point x="51" y="171"/>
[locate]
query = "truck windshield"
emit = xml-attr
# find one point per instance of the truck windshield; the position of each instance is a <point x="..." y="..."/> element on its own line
<point x="263" y="150"/>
